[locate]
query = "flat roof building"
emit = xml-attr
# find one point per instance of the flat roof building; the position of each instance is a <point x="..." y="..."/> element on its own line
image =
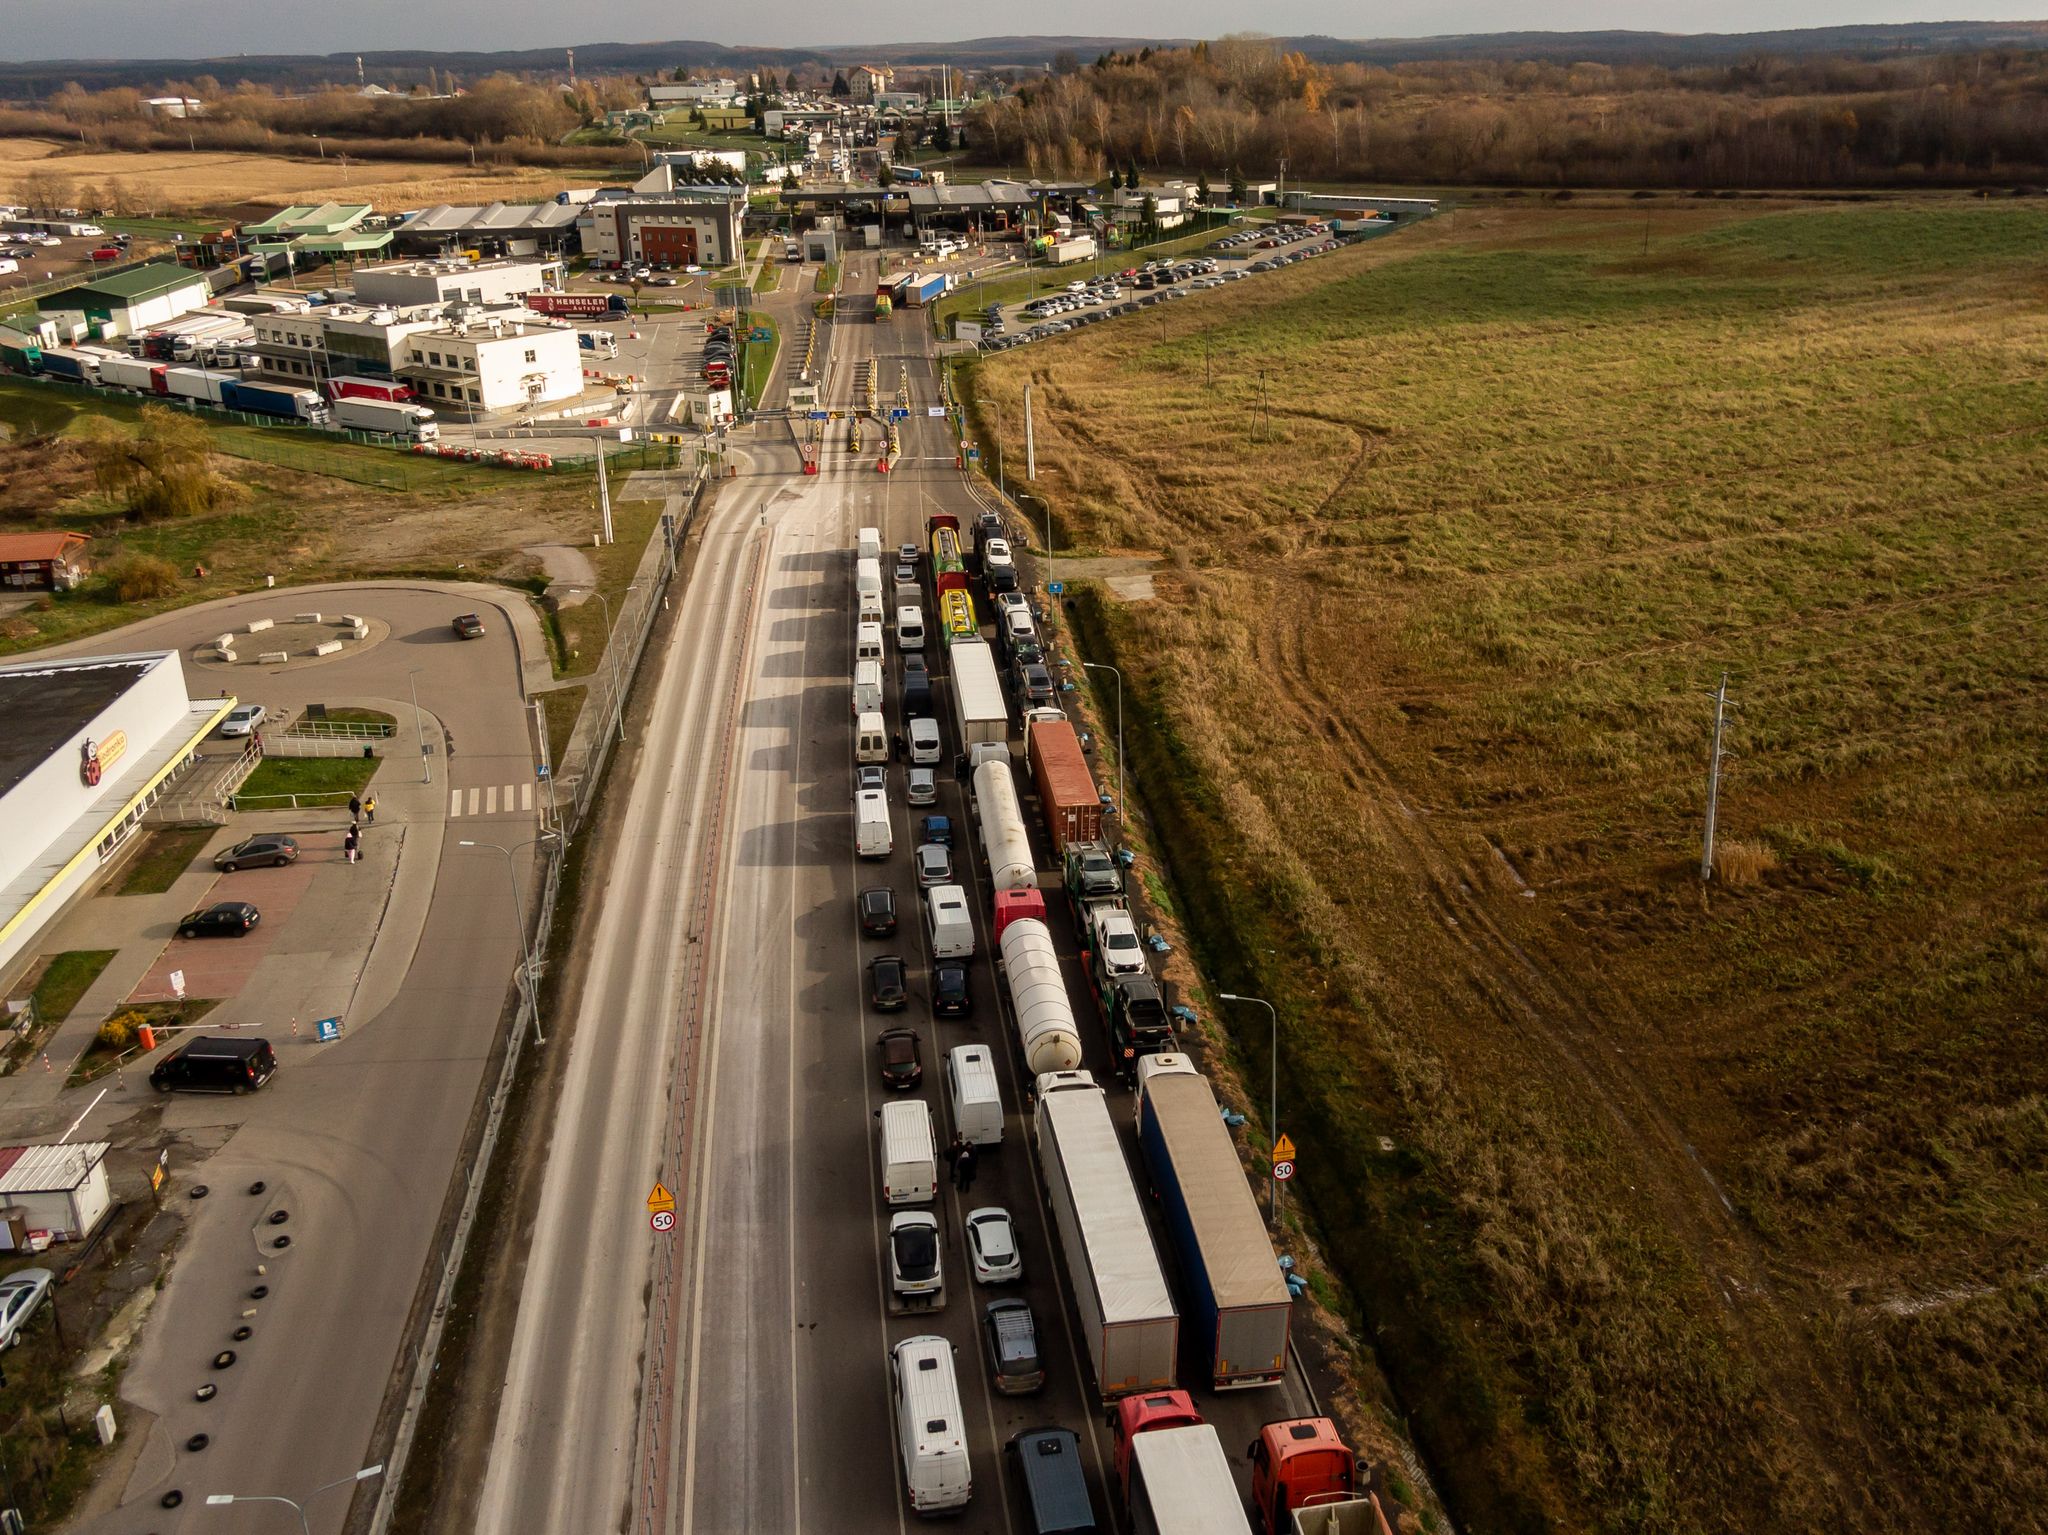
<point x="91" y="742"/>
<point x="122" y="303"/>
<point x="407" y="283"/>
<point x="692" y="231"/>
<point x="336" y="340"/>
<point x="308" y="219"/>
<point x="498" y="229"/>
<point x="498" y="365"/>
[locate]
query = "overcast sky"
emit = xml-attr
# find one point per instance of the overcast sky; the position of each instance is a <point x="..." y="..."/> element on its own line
<point x="83" y="29"/>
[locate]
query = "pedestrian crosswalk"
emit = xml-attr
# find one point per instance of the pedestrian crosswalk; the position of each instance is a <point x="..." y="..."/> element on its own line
<point x="491" y="799"/>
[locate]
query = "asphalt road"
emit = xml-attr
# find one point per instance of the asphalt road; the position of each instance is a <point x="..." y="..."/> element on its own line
<point x="758" y="1329"/>
<point x="357" y="1140"/>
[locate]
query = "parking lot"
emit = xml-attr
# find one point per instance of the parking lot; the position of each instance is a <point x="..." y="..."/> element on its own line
<point x="41" y="259"/>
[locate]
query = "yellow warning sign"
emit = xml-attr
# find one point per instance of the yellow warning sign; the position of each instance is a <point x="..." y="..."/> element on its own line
<point x="661" y="1199"/>
<point x="1283" y="1151"/>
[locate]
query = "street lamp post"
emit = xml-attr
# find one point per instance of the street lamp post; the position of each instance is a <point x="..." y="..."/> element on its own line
<point x="1273" y="1122"/>
<point x="1104" y="666"/>
<point x="519" y="907"/>
<point x="220" y="1499"/>
<point x="419" y="727"/>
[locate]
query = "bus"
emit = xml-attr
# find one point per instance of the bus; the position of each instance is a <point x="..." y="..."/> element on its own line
<point x="956" y="613"/>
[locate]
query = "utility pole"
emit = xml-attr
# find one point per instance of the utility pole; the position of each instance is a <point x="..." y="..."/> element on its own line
<point x="1714" y="780"/>
<point x="1030" y="450"/>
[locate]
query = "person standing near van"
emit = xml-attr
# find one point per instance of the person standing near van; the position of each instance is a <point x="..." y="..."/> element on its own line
<point x="963" y="1169"/>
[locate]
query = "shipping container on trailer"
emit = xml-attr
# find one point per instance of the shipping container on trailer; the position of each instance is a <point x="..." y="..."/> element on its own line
<point x="1127" y="1313"/>
<point x="1066" y="788"/>
<point x="1237" y="1302"/>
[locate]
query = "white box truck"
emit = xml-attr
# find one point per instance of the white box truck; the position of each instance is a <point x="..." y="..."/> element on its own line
<point x="974" y="1095"/>
<point x="910" y="1167"/>
<point x="388" y="418"/>
<point x="949" y="921"/>
<point x="1128" y="1320"/>
<point x="979" y="708"/>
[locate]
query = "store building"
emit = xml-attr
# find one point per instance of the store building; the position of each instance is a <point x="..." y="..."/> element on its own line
<point x="91" y="743"/>
<point x="497" y="365"/>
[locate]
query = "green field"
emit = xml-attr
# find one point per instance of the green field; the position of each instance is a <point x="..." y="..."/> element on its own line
<point x="1699" y="1208"/>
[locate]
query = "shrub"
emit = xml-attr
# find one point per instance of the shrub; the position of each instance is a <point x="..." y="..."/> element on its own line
<point x="118" y="1032"/>
<point x="1743" y="863"/>
<point x="140" y="578"/>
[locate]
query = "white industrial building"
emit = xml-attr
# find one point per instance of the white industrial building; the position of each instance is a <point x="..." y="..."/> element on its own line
<point x="90" y="744"/>
<point x="59" y="1189"/>
<point x="401" y="284"/>
<point x="684" y="231"/>
<point x="337" y="339"/>
<point x="693" y="93"/>
<point x="476" y="369"/>
<point x="123" y="303"/>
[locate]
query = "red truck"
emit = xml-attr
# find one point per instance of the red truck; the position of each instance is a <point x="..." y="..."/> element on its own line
<point x="1066" y="789"/>
<point x="1303" y="1478"/>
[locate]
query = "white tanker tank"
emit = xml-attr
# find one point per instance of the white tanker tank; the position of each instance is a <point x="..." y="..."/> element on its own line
<point x="1038" y="992"/>
<point x="1003" y="837"/>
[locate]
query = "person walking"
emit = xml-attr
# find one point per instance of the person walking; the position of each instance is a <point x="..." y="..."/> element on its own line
<point x="896" y="745"/>
<point x="370" y="811"/>
<point x="348" y="845"/>
<point x="355" y="808"/>
<point x="963" y="1169"/>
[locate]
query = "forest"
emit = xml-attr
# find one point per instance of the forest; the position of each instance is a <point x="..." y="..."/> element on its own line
<point x="1245" y="104"/>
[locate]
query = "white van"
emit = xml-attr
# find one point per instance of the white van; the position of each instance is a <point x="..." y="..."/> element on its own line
<point x="910" y="1163"/>
<point x="870" y="738"/>
<point x="910" y="628"/>
<point x="925" y="746"/>
<point x="868" y="544"/>
<point x="867" y="643"/>
<point x="867" y="578"/>
<point x="931" y="1431"/>
<point x="870" y="611"/>
<point x="867" y="687"/>
<point x="975" y="1098"/>
<point x="871" y="835"/>
<point x="949" y="921"/>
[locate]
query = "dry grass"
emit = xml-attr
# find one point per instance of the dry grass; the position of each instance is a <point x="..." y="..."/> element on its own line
<point x="1461" y="534"/>
<point x="220" y="180"/>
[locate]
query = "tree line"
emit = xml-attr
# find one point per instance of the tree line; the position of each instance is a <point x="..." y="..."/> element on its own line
<point x="1243" y="104"/>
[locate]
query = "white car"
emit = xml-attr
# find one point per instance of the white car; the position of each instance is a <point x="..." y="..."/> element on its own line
<point x="914" y="1261"/>
<point x="1006" y="601"/>
<point x="992" y="1246"/>
<point x="242" y="720"/>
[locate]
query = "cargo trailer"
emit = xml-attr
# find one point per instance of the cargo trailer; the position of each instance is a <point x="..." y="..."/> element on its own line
<point x="979" y="708"/>
<point x="1067" y="795"/>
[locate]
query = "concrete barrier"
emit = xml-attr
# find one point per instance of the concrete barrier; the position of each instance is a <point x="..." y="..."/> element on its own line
<point x="361" y="631"/>
<point x="258" y="625"/>
<point x="306" y="618"/>
<point x="327" y="649"/>
<point x="275" y="657"/>
<point x="223" y="653"/>
<point x="349" y="621"/>
<point x="223" y="642"/>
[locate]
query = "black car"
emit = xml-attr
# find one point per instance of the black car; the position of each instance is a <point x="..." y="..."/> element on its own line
<point x="217" y="1066"/>
<point x="229" y="919"/>
<point x="888" y="984"/>
<point x="878" y="911"/>
<point x="951" y="996"/>
<point x="273" y="848"/>
<point x="897" y="1050"/>
<point x="1010" y="1334"/>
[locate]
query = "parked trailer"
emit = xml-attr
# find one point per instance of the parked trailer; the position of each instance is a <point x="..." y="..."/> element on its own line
<point x="415" y="422"/>
<point x="136" y="373"/>
<point x="1180" y="1484"/>
<point x="202" y="384"/>
<point x="1046" y="1032"/>
<point x="1080" y="248"/>
<point x="69" y="363"/>
<point x="350" y="386"/>
<point x="979" y="708"/>
<point x="1127" y="1314"/>
<point x="1236" y="1295"/>
<point x="925" y="288"/>
<point x="576" y="305"/>
<point x="274" y="400"/>
<point x="1003" y="837"/>
<point x="1066" y="788"/>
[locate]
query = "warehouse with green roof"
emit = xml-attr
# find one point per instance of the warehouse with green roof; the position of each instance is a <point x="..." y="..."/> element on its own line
<point x="122" y="303"/>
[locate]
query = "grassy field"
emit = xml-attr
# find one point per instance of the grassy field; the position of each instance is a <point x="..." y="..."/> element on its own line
<point x="68" y="977"/>
<point x="1703" y="1208"/>
<point x="328" y="780"/>
<point x="166" y="854"/>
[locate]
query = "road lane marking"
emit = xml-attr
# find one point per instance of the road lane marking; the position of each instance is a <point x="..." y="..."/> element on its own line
<point x="526" y="796"/>
<point x="455" y="804"/>
<point x="491" y="800"/>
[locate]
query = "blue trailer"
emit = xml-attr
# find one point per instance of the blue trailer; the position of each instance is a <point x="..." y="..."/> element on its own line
<point x="62" y="362"/>
<point x="924" y="288"/>
<point x="1233" y="1293"/>
<point x="272" y="400"/>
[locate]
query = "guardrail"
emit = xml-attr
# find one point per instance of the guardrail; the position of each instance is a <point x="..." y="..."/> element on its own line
<point x="287" y="801"/>
<point x="354" y="730"/>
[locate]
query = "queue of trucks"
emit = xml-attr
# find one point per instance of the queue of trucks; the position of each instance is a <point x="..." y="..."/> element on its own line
<point x="1218" y="1295"/>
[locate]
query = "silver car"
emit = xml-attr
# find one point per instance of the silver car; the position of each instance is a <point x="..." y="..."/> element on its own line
<point x="924" y="787"/>
<point x="934" y="864"/>
<point x="21" y="1293"/>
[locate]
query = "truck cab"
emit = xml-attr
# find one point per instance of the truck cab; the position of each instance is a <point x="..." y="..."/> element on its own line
<point x="1299" y="1463"/>
<point x="1134" y="1415"/>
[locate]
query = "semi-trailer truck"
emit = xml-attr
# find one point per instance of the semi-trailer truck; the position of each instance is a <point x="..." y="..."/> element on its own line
<point x="1305" y="1482"/>
<point x="68" y="363"/>
<point x="1003" y="837"/>
<point x="201" y="384"/>
<point x="280" y="400"/>
<point x="1236" y="1297"/>
<point x="1047" y="1036"/>
<point x="1066" y="788"/>
<point x="1127" y="1314"/>
<point x="576" y="305"/>
<point x="136" y="373"/>
<point x="979" y="709"/>
<point x="1180" y="1484"/>
<point x="390" y="417"/>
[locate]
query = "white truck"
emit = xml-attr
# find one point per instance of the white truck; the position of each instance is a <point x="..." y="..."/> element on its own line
<point x="202" y="384"/>
<point x="1127" y="1314"/>
<point x="1038" y="995"/>
<point x="1003" y="837"/>
<point x="389" y="418"/>
<point x="1180" y="1484"/>
<point x="1080" y="248"/>
<point x="979" y="708"/>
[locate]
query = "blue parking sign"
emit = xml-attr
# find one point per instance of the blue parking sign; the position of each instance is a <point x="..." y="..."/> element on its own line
<point x="328" y="1030"/>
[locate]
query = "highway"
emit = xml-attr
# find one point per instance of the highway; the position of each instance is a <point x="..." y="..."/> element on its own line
<point x="732" y="1374"/>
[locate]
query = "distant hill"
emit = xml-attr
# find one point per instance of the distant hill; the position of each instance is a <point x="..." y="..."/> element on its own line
<point x="408" y="66"/>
